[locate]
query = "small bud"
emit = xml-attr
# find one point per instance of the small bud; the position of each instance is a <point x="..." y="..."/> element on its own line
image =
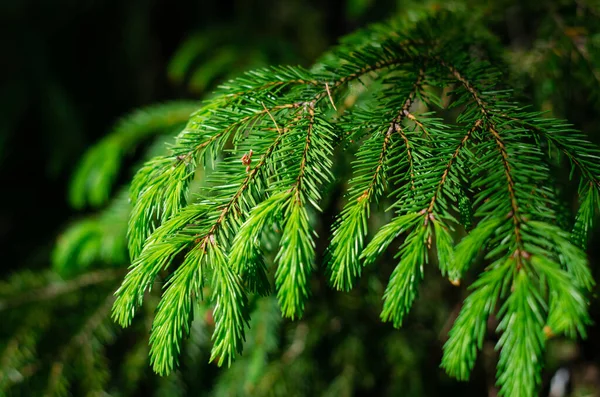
<point x="247" y="160"/>
<point x="363" y="196"/>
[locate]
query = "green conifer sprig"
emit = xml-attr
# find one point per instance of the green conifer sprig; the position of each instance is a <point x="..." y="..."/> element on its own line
<point x="99" y="167"/>
<point x="266" y="143"/>
<point x="252" y="368"/>
<point x="38" y="299"/>
<point x="86" y="347"/>
<point x="369" y="182"/>
<point x="98" y="238"/>
<point x="19" y="351"/>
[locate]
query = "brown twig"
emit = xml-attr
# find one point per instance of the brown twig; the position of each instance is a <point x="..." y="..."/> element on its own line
<point x="272" y="118"/>
<point x="329" y="94"/>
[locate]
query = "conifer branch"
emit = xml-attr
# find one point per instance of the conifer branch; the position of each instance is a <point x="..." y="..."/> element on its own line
<point x="492" y="129"/>
<point x="242" y="188"/>
<point x="267" y="86"/>
<point x="244" y="120"/>
<point x="460" y="146"/>
<point x="378" y="65"/>
<point x="483" y="107"/>
<point x="348" y="235"/>
<point x="411" y="165"/>
<point x="58" y="381"/>
<point x="572" y="147"/>
<point x="309" y="131"/>
<point x="56" y="289"/>
<point x="377" y="175"/>
<point x="189" y="157"/>
<point x="396" y="126"/>
<point x="535" y="274"/>
<point x="517" y="220"/>
<point x="233" y="205"/>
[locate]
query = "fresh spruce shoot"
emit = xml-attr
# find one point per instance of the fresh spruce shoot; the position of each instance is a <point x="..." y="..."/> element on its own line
<point x="438" y="140"/>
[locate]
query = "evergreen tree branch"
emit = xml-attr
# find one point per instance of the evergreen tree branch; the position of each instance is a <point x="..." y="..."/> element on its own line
<point x="253" y="173"/>
<point x="536" y="276"/>
<point x="127" y="298"/>
<point x="58" y="381"/>
<point x="515" y="214"/>
<point x="99" y="167"/>
<point x="444" y="177"/>
<point x="59" y="288"/>
<point x="298" y="185"/>
<point x="488" y="116"/>
<point x="580" y="152"/>
<point x="348" y="234"/>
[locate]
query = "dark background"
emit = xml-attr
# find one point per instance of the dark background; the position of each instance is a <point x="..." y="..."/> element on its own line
<point x="70" y="69"/>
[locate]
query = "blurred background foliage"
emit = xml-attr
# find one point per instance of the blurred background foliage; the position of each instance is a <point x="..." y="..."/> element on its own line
<point x="70" y="138"/>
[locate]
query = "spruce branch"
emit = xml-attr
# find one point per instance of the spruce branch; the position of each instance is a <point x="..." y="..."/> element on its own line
<point x="401" y="290"/>
<point x="426" y="166"/>
<point x="246" y="256"/>
<point x="515" y="213"/>
<point x="165" y="180"/>
<point x="586" y="215"/>
<point x="17" y="357"/>
<point x="95" y="326"/>
<point x="193" y="146"/>
<point x="348" y="234"/>
<point x="450" y="163"/>
<point x="140" y="278"/>
<point x="61" y="287"/>
<point x="469" y="329"/>
<point x="522" y="341"/>
<point x="580" y="152"/>
<point x="93" y="180"/>
<point x="488" y="116"/>
<point x="514" y="339"/>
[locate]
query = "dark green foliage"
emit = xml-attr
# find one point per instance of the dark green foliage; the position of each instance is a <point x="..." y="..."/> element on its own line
<point x="447" y="171"/>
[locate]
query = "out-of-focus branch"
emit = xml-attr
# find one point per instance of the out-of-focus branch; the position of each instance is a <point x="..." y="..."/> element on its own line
<point x="58" y="288"/>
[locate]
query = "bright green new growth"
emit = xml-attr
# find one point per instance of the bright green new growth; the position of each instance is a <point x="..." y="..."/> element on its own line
<point x="266" y="143"/>
<point x="101" y="238"/>
<point x="100" y="166"/>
